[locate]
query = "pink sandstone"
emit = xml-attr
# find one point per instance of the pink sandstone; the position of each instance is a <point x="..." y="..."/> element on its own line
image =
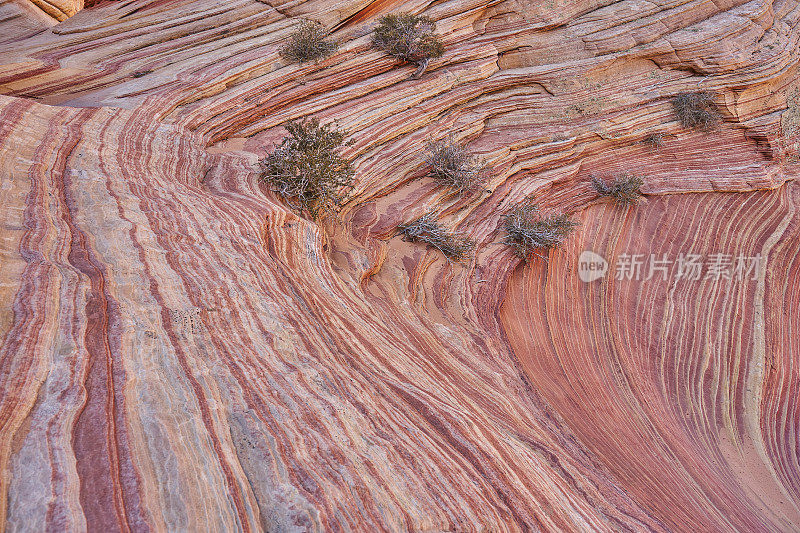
<point x="182" y="352"/>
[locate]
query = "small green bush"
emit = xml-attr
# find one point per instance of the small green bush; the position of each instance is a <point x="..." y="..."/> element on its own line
<point x="453" y="166"/>
<point x="625" y="189"/>
<point x="426" y="229"/>
<point x="306" y="168"/>
<point x="697" y="110"/>
<point x="528" y="230"/>
<point x="408" y="37"/>
<point x="308" y="43"/>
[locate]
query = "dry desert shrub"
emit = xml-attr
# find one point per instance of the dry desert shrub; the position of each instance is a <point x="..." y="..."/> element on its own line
<point x="654" y="141"/>
<point x="697" y="110"/>
<point x="426" y="229"/>
<point x="308" y="43"/>
<point x="408" y="37"/>
<point x="528" y="230"/>
<point x="454" y="167"/>
<point x="306" y="168"/>
<point x="625" y="189"/>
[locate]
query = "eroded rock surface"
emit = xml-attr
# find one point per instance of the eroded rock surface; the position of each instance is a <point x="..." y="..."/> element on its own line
<point x="182" y="352"/>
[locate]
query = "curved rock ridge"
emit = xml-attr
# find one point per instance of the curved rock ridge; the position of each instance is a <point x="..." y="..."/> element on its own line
<point x="182" y="352"/>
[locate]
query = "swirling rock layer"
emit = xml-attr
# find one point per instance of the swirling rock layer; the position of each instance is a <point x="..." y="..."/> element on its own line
<point x="182" y="352"/>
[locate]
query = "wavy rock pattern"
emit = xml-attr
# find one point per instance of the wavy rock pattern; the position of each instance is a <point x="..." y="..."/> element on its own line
<point x="181" y="352"/>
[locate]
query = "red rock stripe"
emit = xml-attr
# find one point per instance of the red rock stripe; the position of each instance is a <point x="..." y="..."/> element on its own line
<point x="232" y="484"/>
<point x="105" y="470"/>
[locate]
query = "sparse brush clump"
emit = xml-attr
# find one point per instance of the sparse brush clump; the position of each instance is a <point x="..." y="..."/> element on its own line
<point x="625" y="189"/>
<point x="528" y="230"/>
<point x="306" y="168"/>
<point x="654" y="140"/>
<point x="697" y="110"/>
<point x="409" y="38"/>
<point x="455" y="247"/>
<point x="453" y="166"/>
<point x="308" y="43"/>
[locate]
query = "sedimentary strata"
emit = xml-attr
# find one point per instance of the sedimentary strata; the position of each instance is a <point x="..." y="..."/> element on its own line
<point x="182" y="351"/>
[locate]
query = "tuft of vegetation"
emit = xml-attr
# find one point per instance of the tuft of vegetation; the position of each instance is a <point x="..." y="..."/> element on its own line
<point x="306" y="168"/>
<point x="528" y="230"/>
<point x="655" y="141"/>
<point x="697" y="110"/>
<point x="410" y="38"/>
<point x="426" y="229"/>
<point x="625" y="189"/>
<point x="308" y="43"/>
<point x="453" y="166"/>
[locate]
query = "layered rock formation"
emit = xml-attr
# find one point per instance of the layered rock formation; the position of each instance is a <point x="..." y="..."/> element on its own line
<point x="182" y="352"/>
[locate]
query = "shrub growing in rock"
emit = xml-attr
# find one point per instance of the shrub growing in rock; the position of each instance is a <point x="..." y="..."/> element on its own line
<point x="306" y="168"/>
<point x="410" y="38"/>
<point x="308" y="43"/>
<point x="655" y="141"/>
<point x="697" y="110"/>
<point x="452" y="166"/>
<point x="625" y="189"/>
<point x="528" y="230"/>
<point x="426" y="229"/>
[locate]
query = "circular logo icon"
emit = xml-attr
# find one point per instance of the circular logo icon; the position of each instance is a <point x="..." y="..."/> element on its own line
<point x="591" y="266"/>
